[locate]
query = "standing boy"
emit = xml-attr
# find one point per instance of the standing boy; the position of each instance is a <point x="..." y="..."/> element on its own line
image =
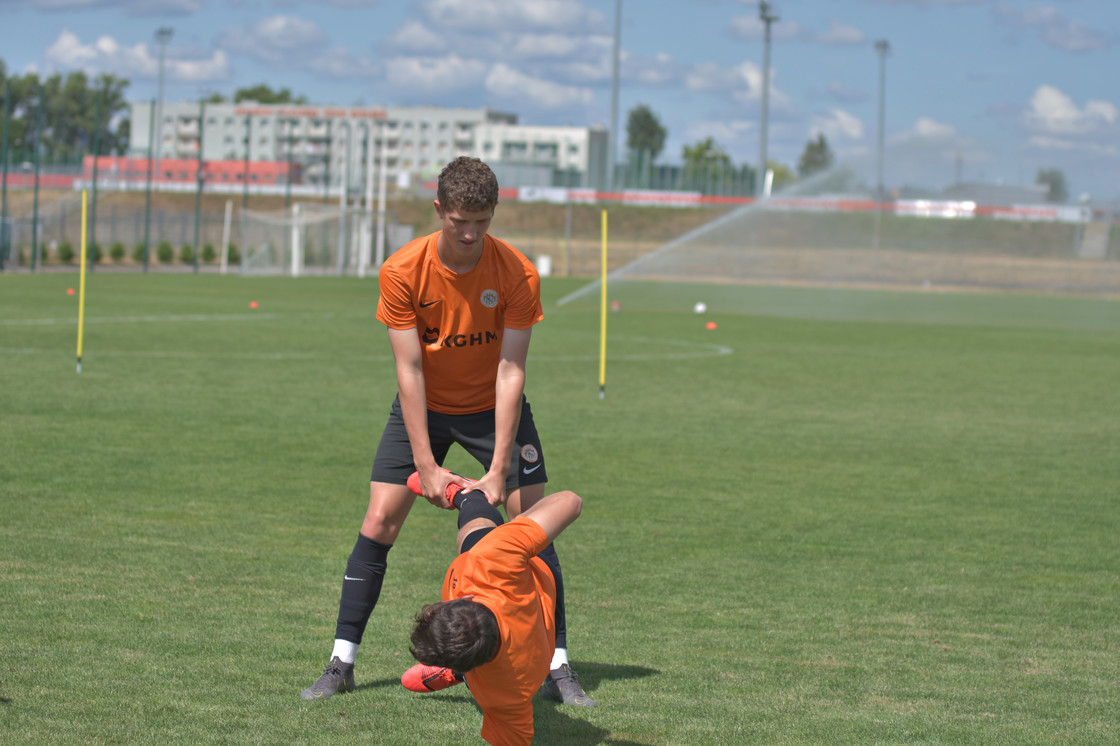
<point x="460" y="306"/>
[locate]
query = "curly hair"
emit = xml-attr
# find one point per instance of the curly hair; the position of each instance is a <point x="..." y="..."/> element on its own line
<point x="459" y="635"/>
<point x="467" y="184"/>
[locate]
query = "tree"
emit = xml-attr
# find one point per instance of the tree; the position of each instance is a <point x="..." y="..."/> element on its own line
<point x="704" y="162"/>
<point x="69" y="122"/>
<point x="1055" y="181"/>
<point x="262" y="94"/>
<point x="644" y="132"/>
<point x="783" y="174"/>
<point x="816" y="157"/>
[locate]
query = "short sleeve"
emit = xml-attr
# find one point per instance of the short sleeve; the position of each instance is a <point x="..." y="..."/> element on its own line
<point x="394" y="306"/>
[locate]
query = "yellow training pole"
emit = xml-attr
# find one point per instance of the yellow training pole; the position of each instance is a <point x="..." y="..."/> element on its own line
<point x="82" y="286"/>
<point x="603" y="316"/>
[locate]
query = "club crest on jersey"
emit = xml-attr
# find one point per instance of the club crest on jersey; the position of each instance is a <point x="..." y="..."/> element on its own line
<point x="489" y="298"/>
<point x="529" y="453"/>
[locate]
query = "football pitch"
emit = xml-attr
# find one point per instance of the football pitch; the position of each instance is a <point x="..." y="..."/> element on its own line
<point x="840" y="517"/>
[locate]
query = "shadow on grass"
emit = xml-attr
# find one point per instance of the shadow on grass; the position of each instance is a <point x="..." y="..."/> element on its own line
<point x="554" y="723"/>
<point x="592" y="674"/>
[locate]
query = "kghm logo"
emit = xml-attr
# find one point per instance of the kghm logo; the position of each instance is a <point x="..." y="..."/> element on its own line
<point x="469" y="340"/>
<point x="489" y="298"/>
<point x="430" y="336"/>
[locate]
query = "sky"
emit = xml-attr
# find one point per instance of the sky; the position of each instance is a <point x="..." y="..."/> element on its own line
<point x="974" y="90"/>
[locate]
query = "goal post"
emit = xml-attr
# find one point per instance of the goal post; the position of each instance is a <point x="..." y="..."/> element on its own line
<point x="308" y="239"/>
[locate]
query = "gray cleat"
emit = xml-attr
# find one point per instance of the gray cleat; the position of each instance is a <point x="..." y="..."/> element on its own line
<point x="562" y="685"/>
<point x="336" y="679"/>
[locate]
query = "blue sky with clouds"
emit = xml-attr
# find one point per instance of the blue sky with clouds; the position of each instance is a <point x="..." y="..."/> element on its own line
<point x="990" y="90"/>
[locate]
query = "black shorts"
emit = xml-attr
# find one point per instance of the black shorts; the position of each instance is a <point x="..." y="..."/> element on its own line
<point x="474" y="432"/>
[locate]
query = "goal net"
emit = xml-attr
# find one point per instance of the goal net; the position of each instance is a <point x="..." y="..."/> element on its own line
<point x="314" y="239"/>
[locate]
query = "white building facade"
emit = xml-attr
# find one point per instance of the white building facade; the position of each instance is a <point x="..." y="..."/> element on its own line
<point x="329" y="145"/>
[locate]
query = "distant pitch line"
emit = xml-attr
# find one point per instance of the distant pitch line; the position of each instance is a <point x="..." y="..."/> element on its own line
<point x="255" y="316"/>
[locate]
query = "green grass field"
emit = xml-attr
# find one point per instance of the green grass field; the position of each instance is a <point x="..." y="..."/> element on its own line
<point x="842" y="517"/>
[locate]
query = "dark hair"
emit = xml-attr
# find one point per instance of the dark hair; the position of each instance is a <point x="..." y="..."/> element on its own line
<point x="459" y="635"/>
<point x="467" y="184"/>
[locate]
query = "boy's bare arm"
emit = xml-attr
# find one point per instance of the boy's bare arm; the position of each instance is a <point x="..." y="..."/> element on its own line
<point x="556" y="512"/>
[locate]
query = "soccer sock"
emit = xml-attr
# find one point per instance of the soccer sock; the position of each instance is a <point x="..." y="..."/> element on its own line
<point x="474" y="505"/>
<point x="345" y="651"/>
<point x="559" y="658"/>
<point x="365" y="572"/>
<point x="548" y="554"/>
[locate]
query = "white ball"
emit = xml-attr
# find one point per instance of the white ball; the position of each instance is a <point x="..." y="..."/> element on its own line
<point x="700" y="307"/>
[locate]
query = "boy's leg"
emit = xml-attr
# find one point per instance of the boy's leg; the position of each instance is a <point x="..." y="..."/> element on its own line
<point x="477" y="517"/>
<point x="389" y="504"/>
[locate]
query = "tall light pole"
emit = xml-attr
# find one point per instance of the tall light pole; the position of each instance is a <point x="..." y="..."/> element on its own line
<point x="163" y="35"/>
<point x="612" y="155"/>
<point x="767" y="18"/>
<point x="883" y="48"/>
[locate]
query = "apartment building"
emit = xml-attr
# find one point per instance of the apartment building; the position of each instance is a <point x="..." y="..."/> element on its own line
<point x="330" y="145"/>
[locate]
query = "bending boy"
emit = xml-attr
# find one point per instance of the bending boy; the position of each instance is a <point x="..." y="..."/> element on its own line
<point x="495" y="627"/>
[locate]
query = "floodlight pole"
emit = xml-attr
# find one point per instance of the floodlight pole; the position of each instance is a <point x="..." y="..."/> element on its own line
<point x="248" y="149"/>
<point x="163" y="35"/>
<point x="613" y="149"/>
<point x="883" y="47"/>
<point x="5" y="240"/>
<point x="148" y="190"/>
<point x="767" y="18"/>
<point x="200" y="176"/>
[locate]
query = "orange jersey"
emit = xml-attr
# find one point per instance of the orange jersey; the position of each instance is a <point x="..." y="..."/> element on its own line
<point x="503" y="572"/>
<point x="459" y="318"/>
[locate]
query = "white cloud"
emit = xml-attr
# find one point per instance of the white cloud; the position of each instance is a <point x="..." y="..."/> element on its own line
<point x="497" y="15"/>
<point x="750" y="75"/>
<point x="750" y="28"/>
<point x="341" y="63"/>
<point x="841" y="35"/>
<point x="929" y="129"/>
<point x="282" y="40"/>
<point x="544" y="45"/>
<point x="107" y="55"/>
<point x="163" y="8"/>
<point x="838" y="126"/>
<point x="1052" y="112"/>
<point x="1054" y="29"/>
<point x="840" y="92"/>
<point x="708" y="76"/>
<point x="508" y="83"/>
<point x="201" y="70"/>
<point x="1052" y="143"/>
<point x="725" y="134"/>
<point x="656" y="71"/>
<point x="414" y="36"/>
<point x="433" y="75"/>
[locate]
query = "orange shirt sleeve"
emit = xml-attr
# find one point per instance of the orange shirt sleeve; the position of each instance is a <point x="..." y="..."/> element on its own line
<point x="395" y="282"/>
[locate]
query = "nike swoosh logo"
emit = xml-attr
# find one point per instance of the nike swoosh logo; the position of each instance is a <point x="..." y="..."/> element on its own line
<point x="430" y="303"/>
<point x="347" y="577"/>
<point x="530" y="469"/>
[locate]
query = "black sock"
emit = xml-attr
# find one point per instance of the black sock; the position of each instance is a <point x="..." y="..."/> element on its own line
<point x="548" y="554"/>
<point x="473" y="505"/>
<point x="365" y="572"/>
